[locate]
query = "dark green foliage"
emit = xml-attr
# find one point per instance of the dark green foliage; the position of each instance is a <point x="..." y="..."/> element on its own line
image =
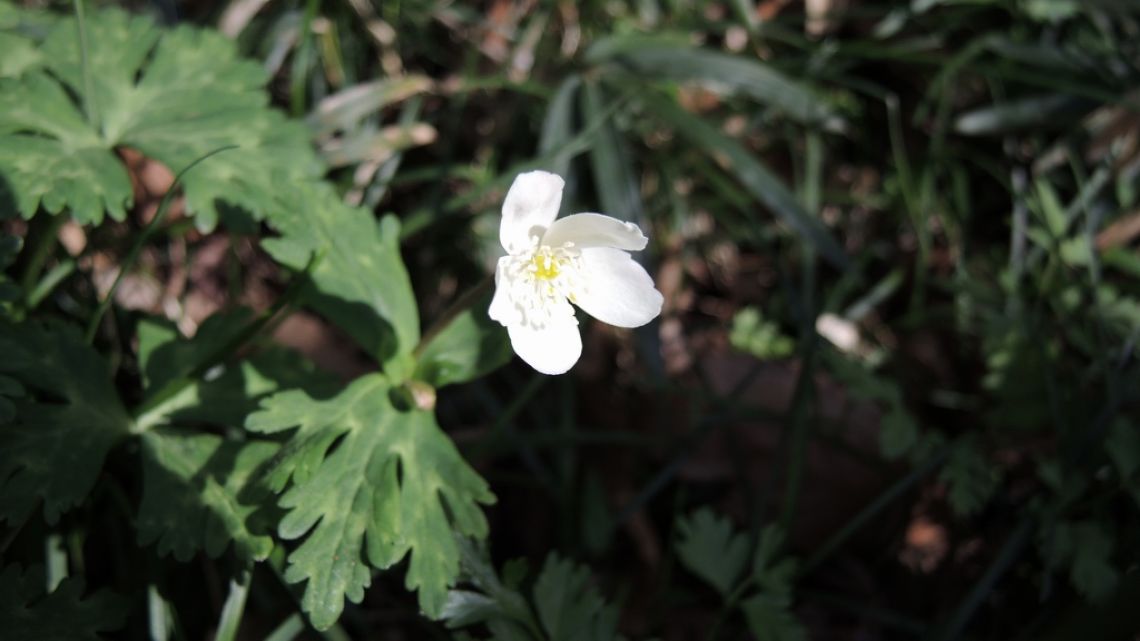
<point x="66" y="421"/>
<point x="64" y="614"/>
<point x="200" y="493"/>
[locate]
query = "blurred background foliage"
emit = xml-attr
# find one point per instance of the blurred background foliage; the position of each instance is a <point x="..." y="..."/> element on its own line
<point x="892" y="393"/>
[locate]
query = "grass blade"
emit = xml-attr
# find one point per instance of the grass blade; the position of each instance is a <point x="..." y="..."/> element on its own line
<point x="751" y="173"/>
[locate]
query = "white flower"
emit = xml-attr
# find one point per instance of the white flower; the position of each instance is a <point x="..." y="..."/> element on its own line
<point x="580" y="259"/>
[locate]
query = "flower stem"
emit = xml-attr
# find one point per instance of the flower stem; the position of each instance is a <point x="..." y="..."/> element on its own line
<point x="461" y="304"/>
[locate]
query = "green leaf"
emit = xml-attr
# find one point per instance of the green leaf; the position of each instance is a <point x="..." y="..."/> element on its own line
<point x="569" y="607"/>
<point x="769" y="618"/>
<point x="558" y="126"/>
<point x="198" y="494"/>
<point x="1034" y="112"/>
<point x="1123" y="448"/>
<point x="470" y="346"/>
<point x="751" y="173"/>
<point x="753" y="334"/>
<point x="175" y="96"/>
<point x="772" y="571"/>
<point x="345" y="111"/>
<point x="898" y="433"/>
<point x="20" y="55"/>
<point x="675" y="59"/>
<point x="10" y="292"/>
<point x="64" y="427"/>
<point x="972" y="480"/>
<point x="709" y="548"/>
<point x="50" y="156"/>
<point x="497" y="603"/>
<point x="28" y="614"/>
<point x="1086" y="547"/>
<point x="370" y="484"/>
<point x="228" y="392"/>
<point x="360" y="283"/>
<point x="618" y="187"/>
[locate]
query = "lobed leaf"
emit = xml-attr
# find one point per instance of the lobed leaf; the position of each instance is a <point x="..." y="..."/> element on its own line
<point x="175" y="96"/>
<point x="569" y="608"/>
<point x="769" y="618"/>
<point x="64" y="426"/>
<point x="709" y="548"/>
<point x="360" y="282"/>
<point x="396" y="477"/>
<point x="28" y="614"/>
<point x="199" y="494"/>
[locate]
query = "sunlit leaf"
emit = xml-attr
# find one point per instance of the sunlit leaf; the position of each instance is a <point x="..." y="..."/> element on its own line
<point x="226" y="393"/>
<point x="360" y="282"/>
<point x="470" y="346"/>
<point x="175" y="96"/>
<point x="397" y="479"/>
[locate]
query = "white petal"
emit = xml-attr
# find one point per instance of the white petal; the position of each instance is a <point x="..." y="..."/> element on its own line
<point x="614" y="289"/>
<point x="551" y="350"/>
<point x="595" y="230"/>
<point x="502" y="308"/>
<point x="529" y="208"/>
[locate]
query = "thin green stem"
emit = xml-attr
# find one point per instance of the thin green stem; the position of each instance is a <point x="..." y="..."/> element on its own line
<point x="147" y="413"/>
<point x="1005" y="558"/>
<point x="234" y="607"/>
<point x="730" y="602"/>
<point x="800" y="430"/>
<point x="42" y="249"/>
<point x="288" y="629"/>
<point x="148" y="231"/>
<point x="48" y="283"/>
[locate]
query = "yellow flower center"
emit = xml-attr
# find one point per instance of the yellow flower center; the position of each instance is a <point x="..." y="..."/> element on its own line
<point x="545" y="266"/>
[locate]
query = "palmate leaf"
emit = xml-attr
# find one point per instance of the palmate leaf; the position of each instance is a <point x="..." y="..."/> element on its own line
<point x="199" y="494"/>
<point x="66" y="422"/>
<point x="175" y="96"/>
<point x="359" y="282"/>
<point x="569" y="607"/>
<point x="709" y="548"/>
<point x="769" y="618"/>
<point x="27" y="614"/>
<point x="199" y="491"/>
<point x="370" y="484"/>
